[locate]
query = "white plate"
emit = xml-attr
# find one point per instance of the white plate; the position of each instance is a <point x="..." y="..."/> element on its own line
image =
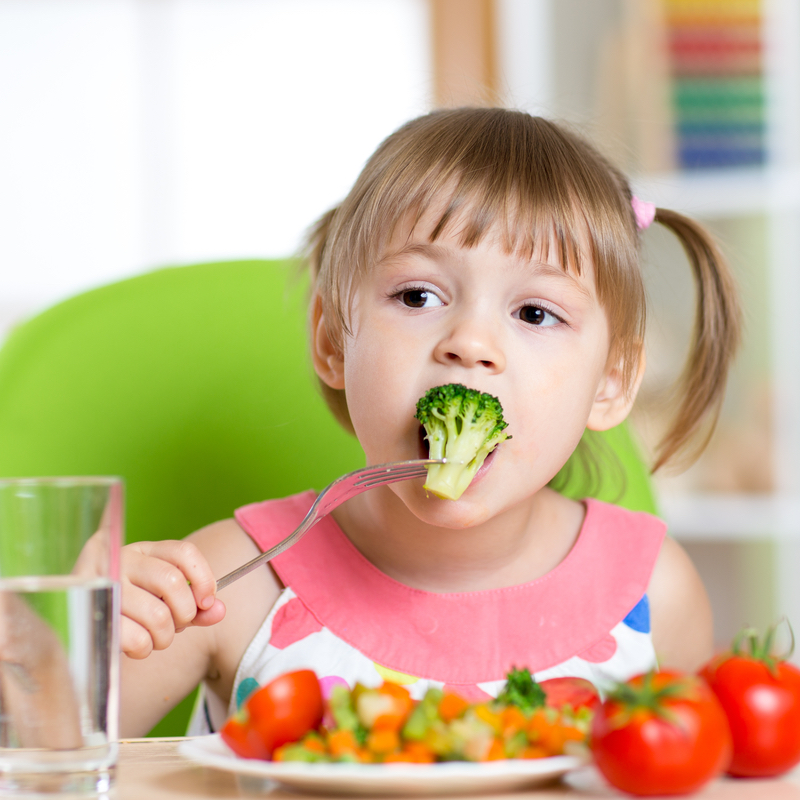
<point x="454" y="777"/>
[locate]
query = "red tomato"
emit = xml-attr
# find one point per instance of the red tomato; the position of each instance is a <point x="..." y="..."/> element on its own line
<point x="573" y="692"/>
<point x="761" y="696"/>
<point x="282" y="711"/>
<point x="661" y="733"/>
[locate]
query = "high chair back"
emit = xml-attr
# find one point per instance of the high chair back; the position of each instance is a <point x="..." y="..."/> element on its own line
<point x="194" y="384"/>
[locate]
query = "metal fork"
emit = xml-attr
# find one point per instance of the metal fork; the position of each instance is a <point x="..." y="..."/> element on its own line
<point x="333" y="495"/>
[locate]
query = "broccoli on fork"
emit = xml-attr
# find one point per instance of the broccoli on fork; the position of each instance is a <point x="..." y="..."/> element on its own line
<point x="462" y="426"/>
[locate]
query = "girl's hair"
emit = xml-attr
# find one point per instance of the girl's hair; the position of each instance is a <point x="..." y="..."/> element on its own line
<point x="542" y="187"/>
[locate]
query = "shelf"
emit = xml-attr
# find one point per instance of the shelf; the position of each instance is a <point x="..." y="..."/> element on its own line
<point x="727" y="517"/>
<point x="723" y="193"/>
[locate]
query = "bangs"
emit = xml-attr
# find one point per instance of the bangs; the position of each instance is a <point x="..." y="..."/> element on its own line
<point x="508" y="172"/>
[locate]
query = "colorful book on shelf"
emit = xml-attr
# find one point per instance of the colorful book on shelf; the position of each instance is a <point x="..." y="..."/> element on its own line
<point x="715" y="50"/>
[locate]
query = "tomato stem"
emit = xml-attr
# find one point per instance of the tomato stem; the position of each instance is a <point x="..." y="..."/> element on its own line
<point x="762" y="650"/>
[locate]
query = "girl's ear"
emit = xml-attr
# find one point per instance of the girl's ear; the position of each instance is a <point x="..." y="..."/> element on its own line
<point x="612" y="403"/>
<point x="328" y="360"/>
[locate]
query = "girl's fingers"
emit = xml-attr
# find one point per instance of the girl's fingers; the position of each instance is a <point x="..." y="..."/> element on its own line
<point x="135" y="640"/>
<point x="174" y="571"/>
<point x="152" y="617"/>
<point x="210" y="616"/>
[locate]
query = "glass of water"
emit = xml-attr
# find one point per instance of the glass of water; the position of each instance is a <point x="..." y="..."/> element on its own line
<point x="60" y="542"/>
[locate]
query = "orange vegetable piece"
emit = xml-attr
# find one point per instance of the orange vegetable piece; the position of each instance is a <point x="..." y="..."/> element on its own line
<point x="401" y="706"/>
<point x="533" y="751"/>
<point x="341" y="742"/>
<point x="512" y="720"/>
<point x="496" y="752"/>
<point x="419" y="752"/>
<point x="551" y="736"/>
<point x="315" y="744"/>
<point x="412" y="753"/>
<point x="452" y="706"/>
<point x="382" y="742"/>
<point x="278" y="753"/>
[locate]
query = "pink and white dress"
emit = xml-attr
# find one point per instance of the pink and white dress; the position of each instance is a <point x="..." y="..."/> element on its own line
<point x="349" y="622"/>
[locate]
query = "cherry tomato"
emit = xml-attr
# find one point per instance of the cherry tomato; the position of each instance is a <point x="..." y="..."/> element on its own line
<point x="576" y="693"/>
<point x="761" y="696"/>
<point x="282" y="711"/>
<point x="661" y="733"/>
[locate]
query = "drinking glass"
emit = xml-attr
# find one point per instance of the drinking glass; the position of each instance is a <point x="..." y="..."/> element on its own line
<point x="60" y="544"/>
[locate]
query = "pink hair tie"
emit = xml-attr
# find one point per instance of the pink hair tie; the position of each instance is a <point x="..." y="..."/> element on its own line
<point x="644" y="212"/>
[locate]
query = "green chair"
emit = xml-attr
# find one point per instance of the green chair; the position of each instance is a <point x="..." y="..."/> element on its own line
<point x="193" y="384"/>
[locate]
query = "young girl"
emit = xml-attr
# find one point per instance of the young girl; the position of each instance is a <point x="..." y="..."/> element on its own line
<point x="497" y="250"/>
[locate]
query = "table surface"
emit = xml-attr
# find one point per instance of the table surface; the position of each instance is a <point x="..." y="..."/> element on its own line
<point x="153" y="769"/>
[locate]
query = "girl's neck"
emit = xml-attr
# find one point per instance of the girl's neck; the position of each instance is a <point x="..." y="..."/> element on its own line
<point x="515" y="547"/>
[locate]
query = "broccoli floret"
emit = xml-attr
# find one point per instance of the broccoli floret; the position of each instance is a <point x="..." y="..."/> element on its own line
<point x="462" y="426"/>
<point x="522" y="691"/>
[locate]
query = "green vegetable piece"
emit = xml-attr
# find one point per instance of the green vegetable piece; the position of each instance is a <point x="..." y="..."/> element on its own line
<point x="462" y="426"/>
<point x="515" y="744"/>
<point x="522" y="691"/>
<point x="298" y="752"/>
<point x="344" y="714"/>
<point x="424" y="716"/>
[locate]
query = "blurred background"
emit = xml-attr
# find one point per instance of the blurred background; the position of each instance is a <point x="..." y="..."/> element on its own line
<point x="143" y="133"/>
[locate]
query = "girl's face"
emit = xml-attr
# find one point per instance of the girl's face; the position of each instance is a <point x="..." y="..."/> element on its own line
<point x="523" y="330"/>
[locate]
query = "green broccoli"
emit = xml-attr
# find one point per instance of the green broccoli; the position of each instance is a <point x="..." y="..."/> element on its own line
<point x="462" y="426"/>
<point x="522" y="691"/>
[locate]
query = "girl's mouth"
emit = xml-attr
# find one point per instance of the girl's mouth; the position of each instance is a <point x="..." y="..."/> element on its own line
<point x="424" y="452"/>
<point x="424" y="448"/>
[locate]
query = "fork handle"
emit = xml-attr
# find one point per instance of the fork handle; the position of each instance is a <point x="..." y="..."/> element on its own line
<point x="266" y="556"/>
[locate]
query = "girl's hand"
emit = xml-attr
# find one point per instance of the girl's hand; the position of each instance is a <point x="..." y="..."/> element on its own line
<point x="166" y="586"/>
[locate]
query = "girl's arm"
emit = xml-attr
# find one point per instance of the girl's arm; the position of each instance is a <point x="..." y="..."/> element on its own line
<point x="169" y="651"/>
<point x="680" y="612"/>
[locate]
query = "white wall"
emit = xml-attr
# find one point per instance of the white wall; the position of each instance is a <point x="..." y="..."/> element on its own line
<point x="138" y="133"/>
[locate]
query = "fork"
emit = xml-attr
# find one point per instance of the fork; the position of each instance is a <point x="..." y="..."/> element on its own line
<point x="333" y="495"/>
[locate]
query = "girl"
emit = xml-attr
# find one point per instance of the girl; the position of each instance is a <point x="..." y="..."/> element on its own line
<point x="494" y="249"/>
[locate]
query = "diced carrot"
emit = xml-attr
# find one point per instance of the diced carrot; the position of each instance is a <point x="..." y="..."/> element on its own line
<point x="512" y="720"/>
<point x="533" y="751"/>
<point x="573" y="734"/>
<point x="364" y="756"/>
<point x="389" y="722"/>
<point x="412" y="753"/>
<point x="552" y="736"/>
<point x="341" y="742"/>
<point x="451" y="706"/>
<point x="315" y="744"/>
<point x="538" y="725"/>
<point x="382" y="742"/>
<point x="279" y="752"/>
<point x="396" y="690"/>
<point x="419" y="752"/>
<point x="496" y="751"/>
<point x="402" y="706"/>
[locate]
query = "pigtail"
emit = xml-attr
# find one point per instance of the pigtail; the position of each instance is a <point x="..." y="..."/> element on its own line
<point x="714" y="343"/>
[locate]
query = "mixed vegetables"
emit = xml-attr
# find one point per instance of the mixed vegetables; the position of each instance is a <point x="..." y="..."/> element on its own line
<point x="660" y="733"/>
<point x="384" y="724"/>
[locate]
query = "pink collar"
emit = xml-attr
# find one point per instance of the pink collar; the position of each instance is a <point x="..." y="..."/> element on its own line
<point x="464" y="637"/>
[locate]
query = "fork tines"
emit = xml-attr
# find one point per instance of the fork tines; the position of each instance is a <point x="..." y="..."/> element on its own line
<point x="380" y="476"/>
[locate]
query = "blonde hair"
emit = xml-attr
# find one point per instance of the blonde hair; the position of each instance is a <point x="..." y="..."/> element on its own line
<point x="545" y="187"/>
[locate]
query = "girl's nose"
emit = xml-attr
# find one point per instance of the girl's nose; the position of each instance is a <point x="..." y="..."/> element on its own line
<point x="472" y="343"/>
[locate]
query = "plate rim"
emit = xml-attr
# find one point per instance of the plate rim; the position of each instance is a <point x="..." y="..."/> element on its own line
<point x="210" y="750"/>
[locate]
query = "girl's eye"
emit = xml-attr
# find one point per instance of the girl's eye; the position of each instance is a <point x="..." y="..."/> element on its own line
<point x="419" y="298"/>
<point x="538" y="316"/>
